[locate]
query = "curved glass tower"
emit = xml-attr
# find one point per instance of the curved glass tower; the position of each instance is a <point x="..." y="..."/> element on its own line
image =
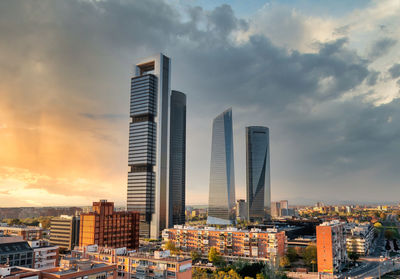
<point x="258" y="173"/>
<point x="221" y="200"/>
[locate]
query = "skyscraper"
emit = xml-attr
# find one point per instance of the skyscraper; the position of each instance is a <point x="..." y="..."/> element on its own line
<point x="221" y="200"/>
<point x="258" y="172"/>
<point x="177" y="175"/>
<point x="149" y="144"/>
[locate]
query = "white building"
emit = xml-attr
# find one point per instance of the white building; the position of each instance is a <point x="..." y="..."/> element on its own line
<point x="45" y="256"/>
<point x="359" y="238"/>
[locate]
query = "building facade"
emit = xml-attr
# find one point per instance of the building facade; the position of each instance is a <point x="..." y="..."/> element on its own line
<point x="27" y="233"/>
<point x="69" y="269"/>
<point x="64" y="231"/>
<point x="331" y="247"/>
<point x="106" y="227"/>
<point x="359" y="238"/>
<point x="258" y="188"/>
<point x="221" y="199"/>
<point x="148" y="158"/>
<point x="14" y="251"/>
<point x="45" y="256"/>
<point x="232" y="243"/>
<point x="177" y="173"/>
<point x="241" y="210"/>
<point x="160" y="264"/>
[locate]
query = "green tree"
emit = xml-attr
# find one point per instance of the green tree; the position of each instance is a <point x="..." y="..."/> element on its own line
<point x="310" y="255"/>
<point x="284" y="261"/>
<point x="169" y="245"/>
<point x="199" y="273"/>
<point x="231" y="274"/>
<point x="378" y="225"/>
<point x="196" y="256"/>
<point x="291" y="254"/>
<point x="213" y="255"/>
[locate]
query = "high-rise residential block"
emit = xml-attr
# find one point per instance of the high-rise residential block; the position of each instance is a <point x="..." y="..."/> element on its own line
<point x="64" y="231"/>
<point x="232" y="243"/>
<point x="331" y="247"/>
<point x="177" y="163"/>
<point x="106" y="227"/>
<point x="148" y="160"/>
<point x="258" y="172"/>
<point x="221" y="199"/>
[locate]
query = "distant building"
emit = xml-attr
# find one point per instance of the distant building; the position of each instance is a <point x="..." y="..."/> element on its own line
<point x="275" y="209"/>
<point x="258" y="184"/>
<point x="45" y="256"/>
<point x="221" y="198"/>
<point x="14" y="251"/>
<point x="177" y="164"/>
<point x="160" y="264"/>
<point x="231" y="242"/>
<point x="241" y="210"/>
<point x="284" y="208"/>
<point x="359" y="238"/>
<point x="64" y="231"/>
<point x="331" y="247"/>
<point x="106" y="227"/>
<point x="26" y="232"/>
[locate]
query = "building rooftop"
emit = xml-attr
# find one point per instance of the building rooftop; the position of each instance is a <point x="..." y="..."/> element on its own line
<point x="228" y="229"/>
<point x="14" y="247"/>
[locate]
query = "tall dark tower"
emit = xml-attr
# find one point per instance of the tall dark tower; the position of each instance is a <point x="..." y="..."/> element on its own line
<point x="258" y="188"/>
<point x="177" y="161"/>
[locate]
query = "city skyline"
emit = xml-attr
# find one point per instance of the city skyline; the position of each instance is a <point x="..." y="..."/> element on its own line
<point x="326" y="82"/>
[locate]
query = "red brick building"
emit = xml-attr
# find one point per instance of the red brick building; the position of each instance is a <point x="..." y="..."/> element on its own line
<point x="108" y="228"/>
<point x="331" y="247"/>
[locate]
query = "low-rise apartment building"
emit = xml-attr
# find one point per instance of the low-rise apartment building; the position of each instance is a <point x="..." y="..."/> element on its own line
<point x="45" y="256"/>
<point x="14" y="251"/>
<point x="26" y="232"/>
<point x="69" y="269"/>
<point x="359" y="238"/>
<point x="231" y="242"/>
<point x="139" y="265"/>
<point x="331" y="247"/>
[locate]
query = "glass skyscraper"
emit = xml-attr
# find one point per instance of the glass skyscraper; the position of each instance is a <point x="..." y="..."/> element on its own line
<point x="258" y="173"/>
<point x="177" y="175"/>
<point x="221" y="200"/>
<point x="149" y="144"/>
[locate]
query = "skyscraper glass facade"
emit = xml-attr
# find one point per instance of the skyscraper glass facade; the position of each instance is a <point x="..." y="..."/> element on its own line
<point x="221" y="201"/>
<point x="177" y="175"/>
<point x="258" y="172"/>
<point x="149" y="144"/>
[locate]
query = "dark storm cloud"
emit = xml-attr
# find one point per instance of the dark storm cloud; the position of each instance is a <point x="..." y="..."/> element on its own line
<point x="381" y="47"/>
<point x="395" y="70"/>
<point x="88" y="48"/>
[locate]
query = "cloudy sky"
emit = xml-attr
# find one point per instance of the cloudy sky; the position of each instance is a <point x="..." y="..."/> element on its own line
<point x="324" y="76"/>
